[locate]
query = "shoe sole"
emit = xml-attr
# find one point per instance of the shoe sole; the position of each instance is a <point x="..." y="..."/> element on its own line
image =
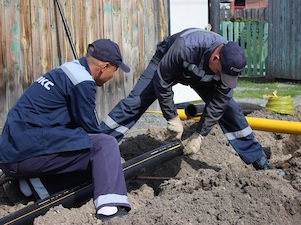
<point x="13" y="192"/>
<point x="120" y="213"/>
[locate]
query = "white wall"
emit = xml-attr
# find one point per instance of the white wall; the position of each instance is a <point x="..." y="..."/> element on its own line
<point x="185" y="14"/>
<point x="188" y="13"/>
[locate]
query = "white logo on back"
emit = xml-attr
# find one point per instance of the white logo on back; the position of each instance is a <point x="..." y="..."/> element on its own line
<point x="45" y="82"/>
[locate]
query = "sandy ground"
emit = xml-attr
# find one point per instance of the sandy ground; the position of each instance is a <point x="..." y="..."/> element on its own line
<point x="212" y="186"/>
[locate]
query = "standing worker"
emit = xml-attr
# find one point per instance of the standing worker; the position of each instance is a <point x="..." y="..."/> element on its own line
<point x="210" y="65"/>
<point x="53" y="129"/>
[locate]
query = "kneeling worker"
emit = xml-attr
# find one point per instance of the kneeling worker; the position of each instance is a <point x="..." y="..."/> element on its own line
<point x="53" y="129"/>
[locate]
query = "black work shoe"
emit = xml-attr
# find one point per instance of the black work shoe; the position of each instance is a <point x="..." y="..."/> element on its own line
<point x="261" y="164"/>
<point x="13" y="192"/>
<point x="121" y="212"/>
<point x="4" y="178"/>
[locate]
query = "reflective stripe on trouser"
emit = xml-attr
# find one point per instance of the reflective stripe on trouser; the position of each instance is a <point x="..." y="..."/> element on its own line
<point x="39" y="187"/>
<point x="240" y="134"/>
<point x="236" y="129"/>
<point x="128" y="111"/>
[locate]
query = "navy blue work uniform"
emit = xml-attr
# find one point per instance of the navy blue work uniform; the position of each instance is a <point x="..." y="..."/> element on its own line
<point x="183" y="58"/>
<point x="53" y="129"/>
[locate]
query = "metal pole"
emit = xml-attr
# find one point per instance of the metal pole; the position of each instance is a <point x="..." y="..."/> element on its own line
<point x="214" y="15"/>
<point x="67" y="29"/>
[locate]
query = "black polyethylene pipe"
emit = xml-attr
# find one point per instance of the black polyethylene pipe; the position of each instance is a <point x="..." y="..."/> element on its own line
<point x="69" y="198"/>
<point x="192" y="110"/>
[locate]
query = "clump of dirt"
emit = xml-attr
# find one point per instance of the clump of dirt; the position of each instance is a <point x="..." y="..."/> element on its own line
<point x="213" y="186"/>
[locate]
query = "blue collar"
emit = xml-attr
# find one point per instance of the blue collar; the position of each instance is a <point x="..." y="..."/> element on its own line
<point x="83" y="62"/>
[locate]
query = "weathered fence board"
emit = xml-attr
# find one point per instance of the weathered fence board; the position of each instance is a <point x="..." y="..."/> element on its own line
<point x="33" y="41"/>
<point x="285" y="39"/>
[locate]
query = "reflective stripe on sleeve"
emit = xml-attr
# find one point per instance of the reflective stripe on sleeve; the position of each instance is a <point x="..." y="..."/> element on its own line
<point x="115" y="126"/>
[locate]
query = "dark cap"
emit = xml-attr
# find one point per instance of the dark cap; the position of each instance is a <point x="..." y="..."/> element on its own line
<point x="107" y="51"/>
<point x="233" y="61"/>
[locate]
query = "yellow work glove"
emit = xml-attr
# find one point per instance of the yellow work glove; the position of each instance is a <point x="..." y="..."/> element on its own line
<point x="193" y="144"/>
<point x="175" y="125"/>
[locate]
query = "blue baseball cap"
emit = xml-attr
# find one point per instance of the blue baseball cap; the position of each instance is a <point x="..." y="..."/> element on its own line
<point x="107" y="51"/>
<point x="233" y="61"/>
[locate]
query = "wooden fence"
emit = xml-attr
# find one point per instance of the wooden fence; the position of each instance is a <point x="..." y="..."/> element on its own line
<point x="285" y="40"/>
<point x="33" y="41"/>
<point x="253" y="38"/>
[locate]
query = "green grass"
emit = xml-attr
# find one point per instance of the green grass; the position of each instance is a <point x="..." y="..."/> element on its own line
<point x="252" y="89"/>
<point x="247" y="88"/>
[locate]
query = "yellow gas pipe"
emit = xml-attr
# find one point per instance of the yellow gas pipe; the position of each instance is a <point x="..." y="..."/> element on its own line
<point x="277" y="126"/>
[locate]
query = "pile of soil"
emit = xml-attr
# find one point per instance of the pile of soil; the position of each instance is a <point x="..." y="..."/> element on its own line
<point x="213" y="186"/>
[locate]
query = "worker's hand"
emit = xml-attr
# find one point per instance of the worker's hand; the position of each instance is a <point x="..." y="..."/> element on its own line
<point x="193" y="144"/>
<point x="175" y="125"/>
